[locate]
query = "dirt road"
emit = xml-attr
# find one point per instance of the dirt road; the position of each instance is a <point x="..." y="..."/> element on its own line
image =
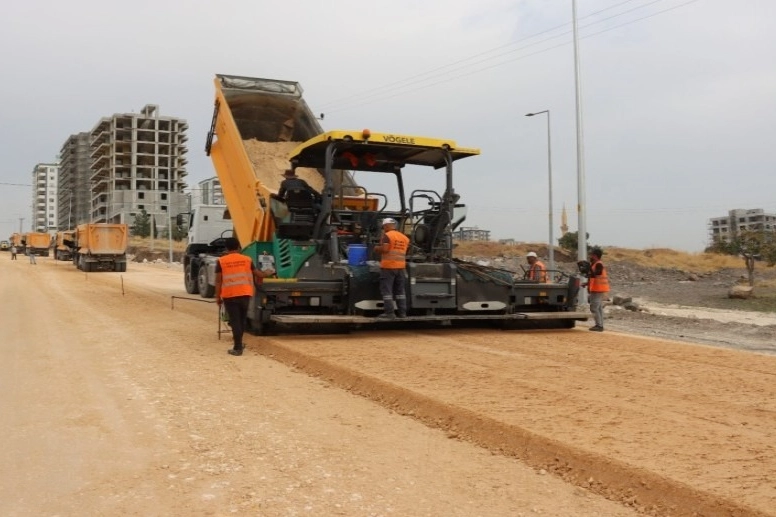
<point x="114" y="404"/>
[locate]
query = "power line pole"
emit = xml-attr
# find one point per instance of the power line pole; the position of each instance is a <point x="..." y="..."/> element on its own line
<point x="581" y="208"/>
<point x="21" y="220"/>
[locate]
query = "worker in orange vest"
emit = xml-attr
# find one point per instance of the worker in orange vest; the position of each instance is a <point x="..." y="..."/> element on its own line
<point x="536" y="268"/>
<point x="393" y="264"/>
<point x="235" y="278"/>
<point x="597" y="286"/>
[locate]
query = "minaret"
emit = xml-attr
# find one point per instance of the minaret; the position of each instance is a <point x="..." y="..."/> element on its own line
<point x="564" y="222"/>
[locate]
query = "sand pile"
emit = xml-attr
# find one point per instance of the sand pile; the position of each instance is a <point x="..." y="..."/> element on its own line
<point x="270" y="159"/>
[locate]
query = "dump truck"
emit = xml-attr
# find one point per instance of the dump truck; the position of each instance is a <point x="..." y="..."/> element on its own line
<point x="260" y="122"/>
<point x="100" y="247"/>
<point x="61" y="250"/>
<point x="208" y="226"/>
<point x="37" y="243"/>
<point x="321" y="253"/>
<point x="17" y="240"/>
<point x="5" y="245"/>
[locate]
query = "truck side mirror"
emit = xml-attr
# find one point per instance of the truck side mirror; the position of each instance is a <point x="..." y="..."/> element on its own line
<point x="179" y="220"/>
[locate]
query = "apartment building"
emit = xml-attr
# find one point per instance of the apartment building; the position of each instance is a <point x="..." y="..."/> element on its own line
<point x="138" y="163"/>
<point x="208" y="192"/>
<point x="728" y="227"/>
<point x="472" y="233"/>
<point x="75" y="197"/>
<point x="44" y="197"/>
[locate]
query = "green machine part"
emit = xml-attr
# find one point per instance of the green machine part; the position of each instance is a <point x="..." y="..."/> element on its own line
<point x="289" y="255"/>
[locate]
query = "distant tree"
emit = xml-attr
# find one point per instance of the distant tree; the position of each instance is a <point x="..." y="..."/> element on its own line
<point x="749" y="245"/>
<point x="570" y="241"/>
<point x="142" y="225"/>
<point x="178" y="233"/>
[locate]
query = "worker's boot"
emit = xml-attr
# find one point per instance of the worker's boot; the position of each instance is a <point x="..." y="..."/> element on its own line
<point x="387" y="311"/>
<point x="402" y="308"/>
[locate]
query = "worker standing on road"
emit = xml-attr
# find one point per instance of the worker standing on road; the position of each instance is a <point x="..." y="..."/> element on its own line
<point x="14" y="251"/>
<point x="235" y="278"/>
<point x="32" y="256"/>
<point x="537" y="271"/>
<point x="598" y="286"/>
<point x="393" y="248"/>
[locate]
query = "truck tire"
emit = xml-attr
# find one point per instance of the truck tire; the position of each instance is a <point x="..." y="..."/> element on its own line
<point x="205" y="289"/>
<point x="87" y="267"/>
<point x="191" y="282"/>
<point x="120" y="267"/>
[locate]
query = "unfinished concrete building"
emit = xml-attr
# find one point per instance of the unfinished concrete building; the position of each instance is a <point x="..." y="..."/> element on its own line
<point x="44" y="197"/>
<point x="74" y="192"/>
<point x="138" y="163"/>
<point x="725" y="229"/>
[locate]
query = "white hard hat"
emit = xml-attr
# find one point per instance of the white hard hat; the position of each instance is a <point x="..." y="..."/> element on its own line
<point x="531" y="254"/>
<point x="388" y="220"/>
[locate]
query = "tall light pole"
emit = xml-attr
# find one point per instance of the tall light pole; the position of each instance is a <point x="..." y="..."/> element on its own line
<point x="581" y="208"/>
<point x="549" y="177"/>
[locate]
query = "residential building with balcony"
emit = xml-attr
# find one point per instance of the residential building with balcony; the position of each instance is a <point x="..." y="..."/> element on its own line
<point x="208" y="192"/>
<point x="74" y="190"/>
<point x="138" y="162"/>
<point x="727" y="228"/>
<point x="44" y="197"/>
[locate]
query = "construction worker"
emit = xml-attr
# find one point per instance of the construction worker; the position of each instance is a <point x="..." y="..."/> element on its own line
<point x="292" y="182"/>
<point x="393" y="264"/>
<point x="597" y="286"/>
<point x="14" y="251"/>
<point x="236" y="276"/>
<point x="536" y="269"/>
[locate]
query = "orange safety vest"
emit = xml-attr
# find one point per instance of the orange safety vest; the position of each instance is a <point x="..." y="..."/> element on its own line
<point x="538" y="272"/>
<point x="598" y="283"/>
<point x="395" y="258"/>
<point x="236" y="275"/>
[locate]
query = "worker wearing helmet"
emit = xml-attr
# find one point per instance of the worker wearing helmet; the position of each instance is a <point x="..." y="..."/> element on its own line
<point x="536" y="268"/>
<point x="393" y="248"/>
<point x="597" y="286"/>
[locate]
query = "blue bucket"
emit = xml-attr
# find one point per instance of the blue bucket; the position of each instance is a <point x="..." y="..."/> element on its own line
<point x="357" y="254"/>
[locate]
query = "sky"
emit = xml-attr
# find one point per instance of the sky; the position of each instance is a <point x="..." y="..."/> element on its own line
<point x="678" y="97"/>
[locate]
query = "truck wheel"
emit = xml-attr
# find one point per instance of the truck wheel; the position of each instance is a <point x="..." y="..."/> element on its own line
<point x="205" y="289"/>
<point x="87" y="267"/>
<point x="191" y="282"/>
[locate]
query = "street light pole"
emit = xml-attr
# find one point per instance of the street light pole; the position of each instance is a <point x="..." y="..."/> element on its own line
<point x="549" y="177"/>
<point x="581" y="203"/>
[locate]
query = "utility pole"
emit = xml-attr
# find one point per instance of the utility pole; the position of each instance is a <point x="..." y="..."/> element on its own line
<point x="21" y="220"/>
<point x="581" y="208"/>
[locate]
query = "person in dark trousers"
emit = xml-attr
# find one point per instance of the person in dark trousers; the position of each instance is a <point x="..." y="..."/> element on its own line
<point x="14" y="251"/>
<point x="393" y="264"/>
<point x="236" y="276"/>
<point x="597" y="286"/>
<point x="293" y="182"/>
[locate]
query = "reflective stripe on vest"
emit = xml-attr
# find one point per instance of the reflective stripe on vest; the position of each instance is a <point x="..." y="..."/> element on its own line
<point x="395" y="258"/>
<point x="598" y="283"/>
<point x="236" y="275"/>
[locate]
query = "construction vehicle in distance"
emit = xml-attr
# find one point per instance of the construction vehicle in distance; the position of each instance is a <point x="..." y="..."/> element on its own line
<point x="321" y="252"/>
<point x="100" y="247"/>
<point x="16" y="240"/>
<point x="61" y="250"/>
<point x="37" y="243"/>
<point x="5" y="245"/>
